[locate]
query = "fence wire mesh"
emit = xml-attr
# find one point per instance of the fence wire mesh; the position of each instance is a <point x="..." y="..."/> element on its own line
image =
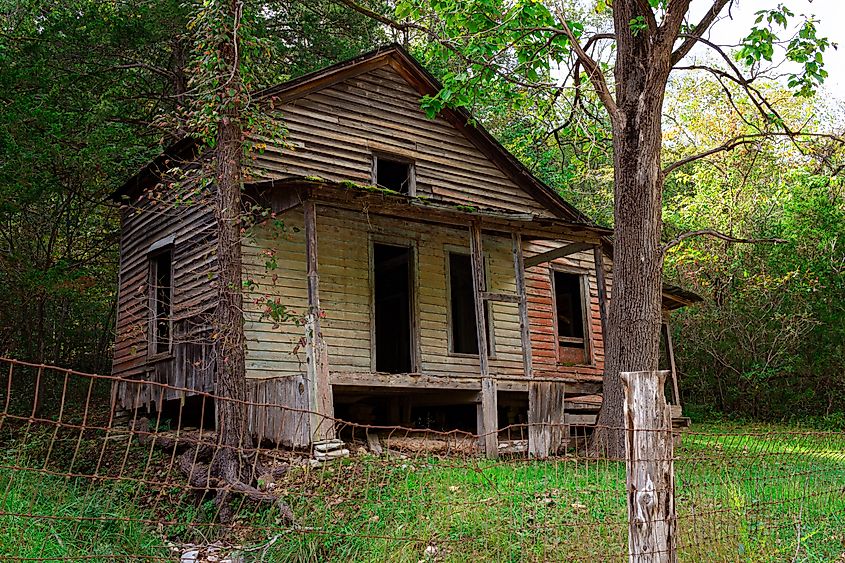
<point x="81" y="480"/>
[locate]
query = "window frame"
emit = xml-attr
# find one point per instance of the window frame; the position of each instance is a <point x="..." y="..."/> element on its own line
<point x="491" y="330"/>
<point x="402" y="242"/>
<point x="163" y="246"/>
<point x="412" y="174"/>
<point x="584" y="287"/>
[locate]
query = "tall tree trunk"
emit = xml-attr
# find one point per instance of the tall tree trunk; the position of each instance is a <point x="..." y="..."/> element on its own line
<point x="642" y="69"/>
<point x="231" y="467"/>
<point x="230" y="356"/>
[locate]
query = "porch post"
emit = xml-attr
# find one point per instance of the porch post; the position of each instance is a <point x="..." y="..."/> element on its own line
<point x="320" y="401"/>
<point x="490" y="426"/>
<point x="670" y="353"/>
<point x="536" y="446"/>
<point x="524" y="327"/>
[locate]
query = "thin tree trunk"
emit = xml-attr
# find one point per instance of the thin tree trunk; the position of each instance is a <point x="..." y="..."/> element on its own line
<point x="41" y="330"/>
<point x="40" y="316"/>
<point x="230" y="357"/>
<point x="233" y="465"/>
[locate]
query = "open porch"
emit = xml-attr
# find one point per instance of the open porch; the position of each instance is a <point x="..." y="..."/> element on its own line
<point x="382" y="267"/>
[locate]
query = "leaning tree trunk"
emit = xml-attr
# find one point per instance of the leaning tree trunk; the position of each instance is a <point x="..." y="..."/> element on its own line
<point x="634" y="319"/>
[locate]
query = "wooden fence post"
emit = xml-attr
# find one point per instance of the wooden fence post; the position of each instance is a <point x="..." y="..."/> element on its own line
<point x="650" y="469"/>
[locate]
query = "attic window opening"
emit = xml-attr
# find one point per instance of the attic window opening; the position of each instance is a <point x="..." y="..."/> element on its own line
<point x="394" y="174"/>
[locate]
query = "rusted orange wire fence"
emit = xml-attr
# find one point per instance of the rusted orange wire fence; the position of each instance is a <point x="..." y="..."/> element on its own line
<point x="81" y="480"/>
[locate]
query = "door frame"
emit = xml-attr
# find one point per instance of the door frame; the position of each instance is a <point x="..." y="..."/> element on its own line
<point x="413" y="284"/>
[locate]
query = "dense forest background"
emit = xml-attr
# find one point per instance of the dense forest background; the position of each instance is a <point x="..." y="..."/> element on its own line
<point x="92" y="90"/>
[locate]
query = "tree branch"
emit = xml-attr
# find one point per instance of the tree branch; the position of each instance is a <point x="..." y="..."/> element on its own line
<point x="376" y="16"/>
<point x="744" y="140"/>
<point x="676" y="11"/>
<point x="703" y="25"/>
<point x="648" y="14"/>
<point x="765" y="108"/>
<point x="593" y="71"/>
<point x="714" y="233"/>
<point x="728" y="146"/>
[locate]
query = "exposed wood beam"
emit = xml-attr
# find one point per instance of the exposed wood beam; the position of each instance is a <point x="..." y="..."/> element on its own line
<point x="359" y="381"/>
<point x="329" y="194"/>
<point x="317" y="365"/>
<point x="670" y="353"/>
<point x="488" y="414"/>
<point x="503" y="297"/>
<point x="561" y="252"/>
<point x="524" y="327"/>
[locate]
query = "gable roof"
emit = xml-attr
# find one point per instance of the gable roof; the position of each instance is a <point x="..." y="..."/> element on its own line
<point x="421" y="80"/>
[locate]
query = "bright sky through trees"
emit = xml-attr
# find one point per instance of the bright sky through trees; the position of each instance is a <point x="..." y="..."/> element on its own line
<point x="831" y="20"/>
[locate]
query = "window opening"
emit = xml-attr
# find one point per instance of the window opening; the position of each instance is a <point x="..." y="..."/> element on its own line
<point x="569" y="305"/>
<point x="393" y="175"/>
<point x="393" y="308"/>
<point x="162" y="272"/>
<point x="462" y="302"/>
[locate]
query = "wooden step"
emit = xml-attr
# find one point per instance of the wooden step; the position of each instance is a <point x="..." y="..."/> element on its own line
<point x="590" y="403"/>
<point x="681" y="422"/>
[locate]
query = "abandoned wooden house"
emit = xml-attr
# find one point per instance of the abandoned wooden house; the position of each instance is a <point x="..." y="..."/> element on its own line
<point x="427" y="278"/>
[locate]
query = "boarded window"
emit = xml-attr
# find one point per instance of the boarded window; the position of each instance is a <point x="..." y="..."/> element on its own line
<point x="394" y="175"/>
<point x="569" y="307"/>
<point x="161" y="266"/>
<point x="463" y="325"/>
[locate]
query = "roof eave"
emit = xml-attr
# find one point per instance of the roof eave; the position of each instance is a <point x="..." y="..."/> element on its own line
<point x="183" y="150"/>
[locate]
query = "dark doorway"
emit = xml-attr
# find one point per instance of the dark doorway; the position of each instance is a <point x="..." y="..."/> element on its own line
<point x="393" y="298"/>
<point x="162" y="274"/>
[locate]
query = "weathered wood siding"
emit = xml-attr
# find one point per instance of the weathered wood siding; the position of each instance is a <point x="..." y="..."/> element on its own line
<point x="193" y="230"/>
<point x="542" y="314"/>
<point x="334" y="131"/>
<point x="278" y="410"/>
<point x="344" y="243"/>
<point x="344" y="246"/>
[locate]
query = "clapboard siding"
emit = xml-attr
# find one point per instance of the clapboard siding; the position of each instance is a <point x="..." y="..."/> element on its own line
<point x="333" y="132"/>
<point x="344" y="240"/>
<point x="541" y="311"/>
<point x="189" y="366"/>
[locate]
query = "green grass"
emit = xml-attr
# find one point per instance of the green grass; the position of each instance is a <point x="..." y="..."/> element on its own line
<point x="737" y="499"/>
<point x="746" y="498"/>
<point x="75" y="520"/>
